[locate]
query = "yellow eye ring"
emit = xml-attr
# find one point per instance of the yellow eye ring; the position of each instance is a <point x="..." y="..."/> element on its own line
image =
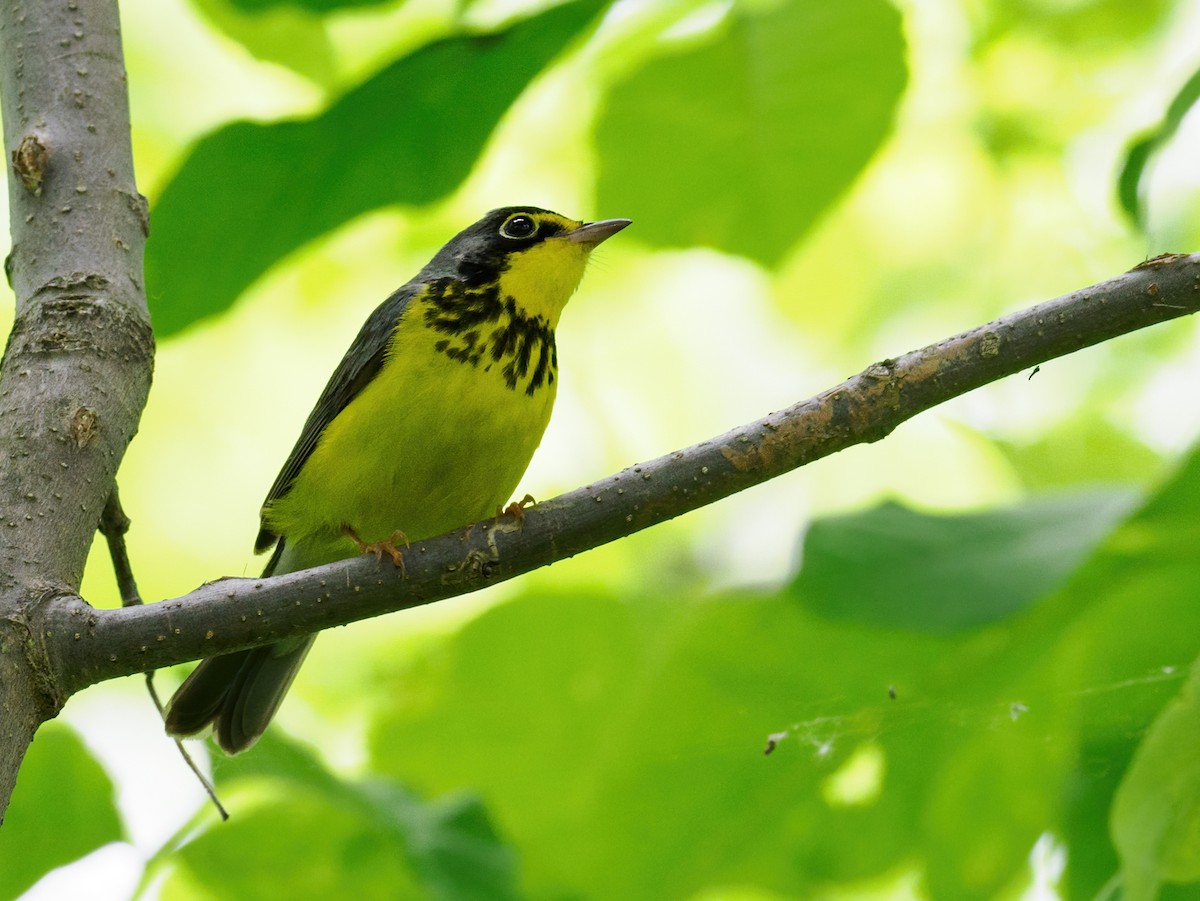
<point x="519" y="227"/>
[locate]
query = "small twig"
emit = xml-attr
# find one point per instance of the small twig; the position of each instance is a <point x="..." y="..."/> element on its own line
<point x="113" y="526"/>
<point x="183" y="752"/>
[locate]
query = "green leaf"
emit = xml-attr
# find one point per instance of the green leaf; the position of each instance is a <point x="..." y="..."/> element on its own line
<point x="285" y="34"/>
<point x="278" y="759"/>
<point x="1156" y="814"/>
<point x="1088" y="793"/>
<point x="63" y="808"/>
<point x="451" y="843"/>
<point x="397" y="844"/>
<point x="297" y="847"/>
<point x="743" y="142"/>
<point x="1090" y="24"/>
<point x="599" y="729"/>
<point x="1079" y="451"/>
<point x="249" y="194"/>
<point x="1142" y="149"/>
<point x="895" y="567"/>
<point x="582" y="720"/>
<point x="314" y="6"/>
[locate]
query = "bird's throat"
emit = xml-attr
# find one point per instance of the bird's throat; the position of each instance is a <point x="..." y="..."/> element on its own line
<point x="483" y="328"/>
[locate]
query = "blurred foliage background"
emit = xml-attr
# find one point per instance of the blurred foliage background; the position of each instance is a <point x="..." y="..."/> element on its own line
<point x="968" y="645"/>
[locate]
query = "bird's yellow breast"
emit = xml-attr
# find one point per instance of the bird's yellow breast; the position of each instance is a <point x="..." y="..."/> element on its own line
<point x="434" y="441"/>
<point x="545" y="276"/>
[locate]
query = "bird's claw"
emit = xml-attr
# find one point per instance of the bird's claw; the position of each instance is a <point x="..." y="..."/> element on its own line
<point x="516" y="510"/>
<point x="379" y="548"/>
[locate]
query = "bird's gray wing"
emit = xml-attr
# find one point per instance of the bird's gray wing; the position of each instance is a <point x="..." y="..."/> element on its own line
<point x="359" y="366"/>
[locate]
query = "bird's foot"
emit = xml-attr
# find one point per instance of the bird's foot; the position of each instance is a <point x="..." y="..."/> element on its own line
<point x="516" y="510"/>
<point x="379" y="548"/>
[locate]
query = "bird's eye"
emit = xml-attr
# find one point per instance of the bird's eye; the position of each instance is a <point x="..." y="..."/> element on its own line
<point x="518" y="227"/>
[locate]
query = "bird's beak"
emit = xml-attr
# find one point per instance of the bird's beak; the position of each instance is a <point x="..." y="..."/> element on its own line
<point x="592" y="233"/>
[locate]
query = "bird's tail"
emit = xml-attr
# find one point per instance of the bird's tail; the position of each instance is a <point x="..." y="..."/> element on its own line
<point x="238" y="693"/>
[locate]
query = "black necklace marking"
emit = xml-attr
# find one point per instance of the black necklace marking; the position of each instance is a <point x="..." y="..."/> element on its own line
<point x="483" y="328"/>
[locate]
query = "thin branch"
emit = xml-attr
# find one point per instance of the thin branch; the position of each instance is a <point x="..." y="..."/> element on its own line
<point x="113" y="526"/>
<point x="205" y="782"/>
<point x="92" y="645"/>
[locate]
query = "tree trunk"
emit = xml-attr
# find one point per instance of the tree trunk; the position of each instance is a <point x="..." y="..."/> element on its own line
<point x="76" y="371"/>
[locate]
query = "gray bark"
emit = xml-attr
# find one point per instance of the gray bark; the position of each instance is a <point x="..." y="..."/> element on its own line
<point x="76" y="370"/>
<point x="92" y="645"/>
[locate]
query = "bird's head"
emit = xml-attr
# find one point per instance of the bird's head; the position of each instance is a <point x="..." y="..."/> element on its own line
<point x="537" y="257"/>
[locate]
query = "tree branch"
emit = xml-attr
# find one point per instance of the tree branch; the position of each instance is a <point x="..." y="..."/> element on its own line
<point x="89" y="645"/>
<point x="113" y="526"/>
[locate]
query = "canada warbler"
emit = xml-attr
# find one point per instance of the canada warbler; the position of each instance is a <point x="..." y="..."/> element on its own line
<point x="427" y="424"/>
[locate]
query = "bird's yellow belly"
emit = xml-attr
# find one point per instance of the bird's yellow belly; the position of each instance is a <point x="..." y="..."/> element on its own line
<point x="429" y="445"/>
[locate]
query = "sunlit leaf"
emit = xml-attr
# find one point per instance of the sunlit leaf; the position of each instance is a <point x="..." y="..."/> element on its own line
<point x="1080" y="451"/>
<point x="741" y="143"/>
<point x="1142" y="148"/>
<point x="296" y="847"/>
<point x="451" y="843"/>
<point x="1090" y="23"/>
<point x="1156" y="814"/>
<point x="63" y="808"/>
<point x="251" y="193"/>
<point x="896" y="567"/>
<point x="302" y="818"/>
<point x="599" y="729"/>
<point x="315" y="6"/>
<point x="284" y="33"/>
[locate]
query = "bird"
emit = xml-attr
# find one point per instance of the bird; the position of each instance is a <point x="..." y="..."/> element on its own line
<point x="427" y="424"/>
